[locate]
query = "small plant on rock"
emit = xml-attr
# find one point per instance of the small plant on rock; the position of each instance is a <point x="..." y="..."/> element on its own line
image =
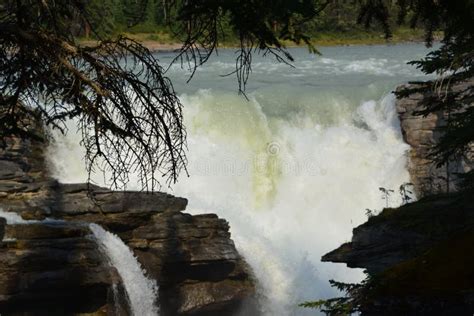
<point x="386" y="195"/>
<point x="405" y="193"/>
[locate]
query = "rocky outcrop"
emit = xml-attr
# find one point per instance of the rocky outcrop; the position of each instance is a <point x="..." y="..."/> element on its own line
<point x="382" y="242"/>
<point x="56" y="269"/>
<point x="422" y="133"/>
<point x="44" y="263"/>
<point x="419" y="256"/>
<point x="397" y="235"/>
<point x="192" y="257"/>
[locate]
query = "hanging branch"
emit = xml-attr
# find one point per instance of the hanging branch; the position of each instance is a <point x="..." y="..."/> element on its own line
<point x="253" y="21"/>
<point x="127" y="110"/>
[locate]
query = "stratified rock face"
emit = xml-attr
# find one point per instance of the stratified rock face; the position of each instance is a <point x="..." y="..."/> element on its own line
<point x="23" y="173"/>
<point x="420" y="257"/>
<point x="55" y="269"/>
<point x="422" y="133"/>
<point x="192" y="257"/>
<point x="400" y="234"/>
<point x="45" y="264"/>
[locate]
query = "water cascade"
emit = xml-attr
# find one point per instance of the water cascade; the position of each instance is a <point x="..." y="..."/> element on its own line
<point x="293" y="168"/>
<point x="142" y="292"/>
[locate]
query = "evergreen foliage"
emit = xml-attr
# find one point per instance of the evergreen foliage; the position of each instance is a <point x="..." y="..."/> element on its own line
<point x="350" y="303"/>
<point x="154" y="15"/>
<point x="453" y="63"/>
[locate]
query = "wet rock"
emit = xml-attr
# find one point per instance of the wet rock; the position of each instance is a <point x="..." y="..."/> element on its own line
<point x="45" y="230"/>
<point x="37" y="215"/>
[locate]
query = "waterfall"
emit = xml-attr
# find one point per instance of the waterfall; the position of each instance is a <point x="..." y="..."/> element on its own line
<point x="14" y="218"/>
<point x="315" y="181"/>
<point x="142" y="292"/>
<point x="294" y="167"/>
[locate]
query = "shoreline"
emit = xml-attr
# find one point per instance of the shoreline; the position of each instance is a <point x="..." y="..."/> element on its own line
<point x="159" y="46"/>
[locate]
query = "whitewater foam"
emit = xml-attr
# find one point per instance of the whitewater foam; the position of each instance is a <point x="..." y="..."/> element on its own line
<point x="142" y="292"/>
<point x="14" y="218"/>
<point x="294" y="168"/>
<point x="292" y="189"/>
<point x="332" y="175"/>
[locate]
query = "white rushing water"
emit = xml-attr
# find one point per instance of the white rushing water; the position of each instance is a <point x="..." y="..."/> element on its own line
<point x="294" y="168"/>
<point x="142" y="292"/>
<point x="14" y="218"/>
<point x="293" y="191"/>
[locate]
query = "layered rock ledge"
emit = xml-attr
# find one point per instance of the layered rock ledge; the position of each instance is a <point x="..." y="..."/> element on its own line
<point x="55" y="268"/>
<point x="419" y="257"/>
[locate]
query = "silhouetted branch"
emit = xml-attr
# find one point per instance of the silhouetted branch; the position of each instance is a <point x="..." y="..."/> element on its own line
<point x="126" y="108"/>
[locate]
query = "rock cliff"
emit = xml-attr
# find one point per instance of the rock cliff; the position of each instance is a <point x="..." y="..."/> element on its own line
<point x="422" y="133"/>
<point x="396" y="235"/>
<point x="56" y="268"/>
<point x="419" y="257"/>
